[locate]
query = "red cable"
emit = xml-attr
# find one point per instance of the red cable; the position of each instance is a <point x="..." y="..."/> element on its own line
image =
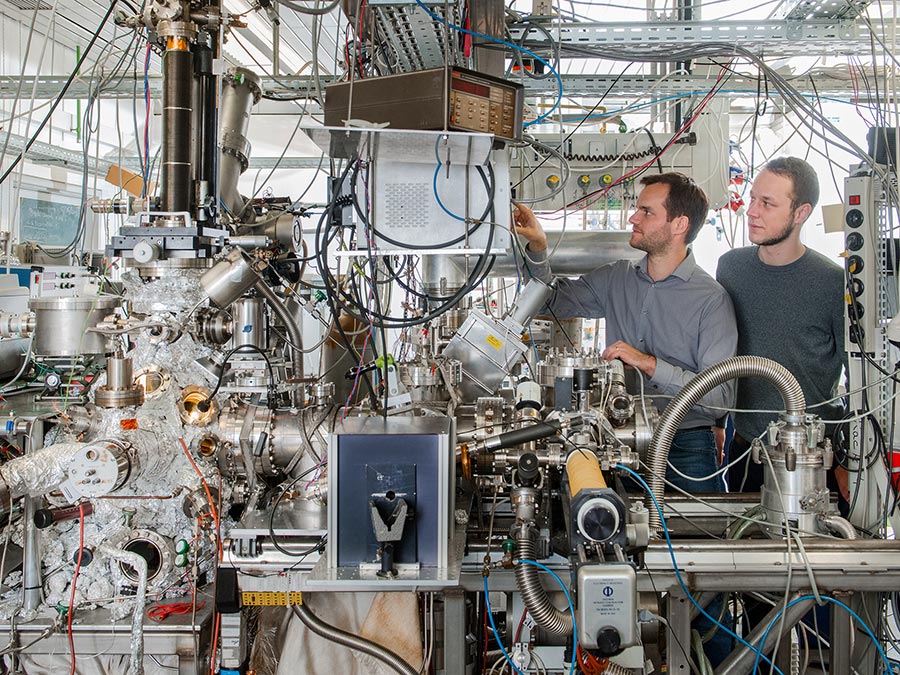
<point x="215" y="645"/>
<point x="521" y="623"/>
<point x="362" y="44"/>
<point x="212" y="505"/>
<point x="74" y="581"/>
<point x="584" y="202"/>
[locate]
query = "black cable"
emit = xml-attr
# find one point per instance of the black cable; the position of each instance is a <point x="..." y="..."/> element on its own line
<point x="325" y="273"/>
<point x="61" y="94"/>
<point x="577" y="126"/>
<point x="204" y="405"/>
<point x="319" y="545"/>
<point x="654" y="149"/>
<point x="373" y="268"/>
<point x="490" y="186"/>
<point x="364" y="315"/>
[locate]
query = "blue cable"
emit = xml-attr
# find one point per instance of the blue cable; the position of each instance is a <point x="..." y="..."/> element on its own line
<point x="487" y="602"/>
<point x="434" y="186"/>
<point x="856" y="616"/>
<point x="565" y="590"/>
<point x="559" y="83"/>
<point x="684" y="587"/>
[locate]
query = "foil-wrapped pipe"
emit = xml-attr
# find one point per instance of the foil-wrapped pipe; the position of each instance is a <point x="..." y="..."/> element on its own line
<point x="136" y="662"/>
<point x="37" y="472"/>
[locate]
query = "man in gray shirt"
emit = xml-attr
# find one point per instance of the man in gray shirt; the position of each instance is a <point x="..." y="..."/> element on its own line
<point x="665" y="316"/>
<point x="789" y="303"/>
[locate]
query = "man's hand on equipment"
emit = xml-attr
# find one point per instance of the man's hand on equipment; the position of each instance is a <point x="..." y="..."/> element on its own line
<point x="631" y="356"/>
<point x="526" y="224"/>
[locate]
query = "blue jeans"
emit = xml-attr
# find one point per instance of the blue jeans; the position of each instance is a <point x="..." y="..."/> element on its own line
<point x="693" y="452"/>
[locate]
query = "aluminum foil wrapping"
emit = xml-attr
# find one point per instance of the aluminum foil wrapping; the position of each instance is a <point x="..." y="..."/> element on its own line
<point x="39" y="472"/>
<point x="271" y="632"/>
<point x="153" y="496"/>
<point x="136" y="664"/>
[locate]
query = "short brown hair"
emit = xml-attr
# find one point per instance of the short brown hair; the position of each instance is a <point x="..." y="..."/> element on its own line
<point x="685" y="198"/>
<point x="804" y="181"/>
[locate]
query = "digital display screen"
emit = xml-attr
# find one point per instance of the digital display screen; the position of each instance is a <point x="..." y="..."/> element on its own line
<point x="471" y="88"/>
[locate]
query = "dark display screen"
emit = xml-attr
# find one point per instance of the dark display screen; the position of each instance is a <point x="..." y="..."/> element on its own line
<point x="471" y="88"/>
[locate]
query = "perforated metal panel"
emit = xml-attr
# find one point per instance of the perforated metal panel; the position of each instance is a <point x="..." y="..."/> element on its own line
<point x="406" y="204"/>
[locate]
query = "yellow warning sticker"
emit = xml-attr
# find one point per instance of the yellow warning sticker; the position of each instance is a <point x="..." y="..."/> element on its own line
<point x="494" y="342"/>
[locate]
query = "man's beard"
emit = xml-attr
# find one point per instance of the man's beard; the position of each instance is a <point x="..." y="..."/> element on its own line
<point x="781" y="236"/>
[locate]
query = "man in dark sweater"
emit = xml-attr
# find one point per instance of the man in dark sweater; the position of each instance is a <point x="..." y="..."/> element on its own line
<point x="789" y="304"/>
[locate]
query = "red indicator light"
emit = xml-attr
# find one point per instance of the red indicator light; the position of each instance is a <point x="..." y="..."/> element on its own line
<point x="854" y="200"/>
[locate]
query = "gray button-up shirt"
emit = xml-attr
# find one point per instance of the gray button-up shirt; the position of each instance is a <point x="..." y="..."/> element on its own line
<point x="685" y="320"/>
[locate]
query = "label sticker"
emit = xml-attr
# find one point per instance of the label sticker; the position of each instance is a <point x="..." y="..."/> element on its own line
<point x="494" y="342"/>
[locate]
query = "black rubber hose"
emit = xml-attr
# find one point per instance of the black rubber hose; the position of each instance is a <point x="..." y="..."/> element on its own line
<point x="532" y="432"/>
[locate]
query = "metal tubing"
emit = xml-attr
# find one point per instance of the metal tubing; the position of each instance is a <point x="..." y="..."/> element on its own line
<point x="296" y="343"/>
<point x="579" y="253"/>
<point x="690" y="395"/>
<point x="534" y="596"/>
<point x="741" y="659"/>
<point x="240" y="92"/>
<point x="205" y="120"/>
<point x="177" y="116"/>
<point x="32" y="582"/>
<point x="341" y="637"/>
<point x="838" y="526"/>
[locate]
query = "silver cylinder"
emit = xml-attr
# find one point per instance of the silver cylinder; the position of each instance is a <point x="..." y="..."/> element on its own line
<point x="441" y="277"/>
<point x="240" y="92"/>
<point x="229" y="279"/>
<point x="63" y="325"/>
<point x="119" y="372"/>
<point x="249" y="324"/>
<point x="579" y="253"/>
<point x="786" y="493"/>
<point x="530" y="300"/>
<point x="566" y="333"/>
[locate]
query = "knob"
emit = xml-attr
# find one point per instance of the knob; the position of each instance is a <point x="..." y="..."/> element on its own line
<point x="528" y="468"/>
<point x="145" y="252"/>
<point x="608" y="642"/>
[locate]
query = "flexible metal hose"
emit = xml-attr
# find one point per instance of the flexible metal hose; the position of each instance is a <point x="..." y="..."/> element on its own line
<point x="690" y="395"/>
<point x="329" y="632"/>
<point x="839" y="526"/>
<point x="290" y="325"/>
<point x="534" y="596"/>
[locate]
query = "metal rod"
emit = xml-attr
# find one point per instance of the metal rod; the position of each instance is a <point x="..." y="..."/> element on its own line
<point x="31" y="546"/>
